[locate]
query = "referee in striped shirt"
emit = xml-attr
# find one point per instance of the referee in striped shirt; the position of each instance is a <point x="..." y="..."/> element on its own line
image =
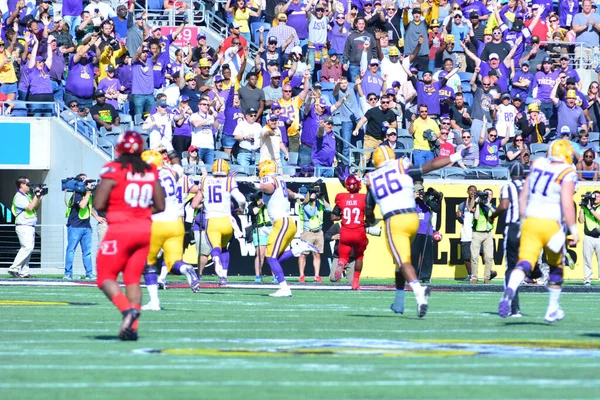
<point x="509" y="202"/>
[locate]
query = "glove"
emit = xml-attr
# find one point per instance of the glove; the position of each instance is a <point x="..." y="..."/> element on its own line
<point x="342" y="172"/>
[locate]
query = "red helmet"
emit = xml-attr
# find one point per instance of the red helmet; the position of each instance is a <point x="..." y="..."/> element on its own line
<point x="352" y="184"/>
<point x="130" y="142"/>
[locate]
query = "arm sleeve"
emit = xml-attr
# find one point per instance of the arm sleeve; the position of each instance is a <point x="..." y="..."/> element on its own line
<point x="415" y="172"/>
<point x="336" y="211"/>
<point x="333" y="230"/>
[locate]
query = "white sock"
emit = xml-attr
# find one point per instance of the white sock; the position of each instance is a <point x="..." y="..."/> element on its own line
<point x="163" y="274"/>
<point x="553" y="297"/>
<point x="416" y="287"/>
<point x="153" y="293"/>
<point x="185" y="270"/>
<point x="516" y="278"/>
<point x="283" y="285"/>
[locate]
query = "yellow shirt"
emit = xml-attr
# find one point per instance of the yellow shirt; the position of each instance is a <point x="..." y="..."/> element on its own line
<point x="109" y="58"/>
<point x="291" y="109"/>
<point x="241" y="17"/>
<point x="7" y="73"/>
<point x="421" y="126"/>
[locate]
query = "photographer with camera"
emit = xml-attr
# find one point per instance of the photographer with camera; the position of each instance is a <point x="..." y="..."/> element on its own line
<point x="464" y="215"/>
<point x="261" y="227"/>
<point x="483" y="235"/>
<point x="590" y="217"/>
<point x="79" y="229"/>
<point x="24" y="207"/>
<point x="312" y="213"/>
<point x="427" y="203"/>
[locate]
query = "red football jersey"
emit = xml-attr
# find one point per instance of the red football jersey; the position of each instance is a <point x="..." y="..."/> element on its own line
<point x="352" y="209"/>
<point x="131" y="198"/>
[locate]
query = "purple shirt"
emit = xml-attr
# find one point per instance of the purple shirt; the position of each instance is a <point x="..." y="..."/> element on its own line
<point x="519" y="77"/>
<point x="108" y="84"/>
<point x="371" y="83"/>
<point x="476" y="6"/>
<point x="430" y="96"/>
<point x="311" y="125"/>
<point x="185" y="129"/>
<point x="446" y="93"/>
<point x="282" y="125"/>
<point x="424" y="214"/>
<point x="58" y="66"/>
<point x="323" y="151"/>
<point x="80" y="81"/>
<point x="488" y="154"/>
<point x="544" y="82"/>
<point x="338" y="35"/>
<point x="124" y="73"/>
<point x="502" y="72"/>
<point x="297" y="20"/>
<point x="233" y="114"/>
<point x="566" y="11"/>
<point x="142" y="77"/>
<point x="159" y="69"/>
<point x="72" y="8"/>
<point x="39" y="81"/>
<point x="24" y="81"/>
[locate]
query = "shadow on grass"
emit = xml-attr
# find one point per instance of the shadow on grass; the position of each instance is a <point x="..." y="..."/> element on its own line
<point x="594" y="335"/>
<point x="106" y="338"/>
<point x="377" y="316"/>
<point x="527" y="323"/>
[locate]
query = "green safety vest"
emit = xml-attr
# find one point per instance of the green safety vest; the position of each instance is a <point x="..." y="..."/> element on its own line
<point x="28" y="214"/>
<point x="84" y="213"/>
<point x="591" y="222"/>
<point x="316" y="221"/>
<point x="482" y="224"/>
<point x="263" y="216"/>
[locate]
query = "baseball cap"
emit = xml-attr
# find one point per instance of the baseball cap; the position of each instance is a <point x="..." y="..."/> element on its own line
<point x="525" y="62"/>
<point x="571" y="81"/>
<point x="40" y="58"/>
<point x="51" y="39"/>
<point x="328" y="120"/>
<point x="218" y="78"/>
<point x="275" y="74"/>
<point x="535" y="39"/>
<point x="99" y="93"/>
<point x="161" y="103"/>
<point x="272" y="39"/>
<point x="235" y="25"/>
<point x="458" y="13"/>
<point x="473" y="15"/>
<point x="517" y="97"/>
<point x="416" y="10"/>
<point x="273" y="62"/>
<point x="155" y="28"/>
<point x="251" y="110"/>
<point x="391" y="131"/>
<point x="189" y="76"/>
<point x="494" y="55"/>
<point x="565" y="130"/>
<point x="275" y="106"/>
<point x="200" y="36"/>
<point x="517" y="25"/>
<point x="390" y="91"/>
<point x="297" y="50"/>
<point x="333" y="52"/>
<point x="273" y="117"/>
<point x="317" y="85"/>
<point x="505" y="96"/>
<point x="418" y="186"/>
<point x="535" y="6"/>
<point x="396" y="84"/>
<point x="322" y="102"/>
<point x="547" y="60"/>
<point x="183" y="98"/>
<point x="192" y="148"/>
<point x="110" y="68"/>
<point x="282" y="17"/>
<point x="374" y="61"/>
<point x="139" y="15"/>
<point x="564" y="57"/>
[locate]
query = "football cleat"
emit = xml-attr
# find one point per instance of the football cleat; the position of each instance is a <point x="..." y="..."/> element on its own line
<point x="555" y="315"/>
<point x="397" y="309"/>
<point x="504" y="305"/>
<point x="283" y="292"/>
<point x="355" y="286"/>
<point x="195" y="283"/>
<point x="129" y="317"/>
<point x="222" y="281"/>
<point x="162" y="285"/>
<point x="151" y="307"/>
<point x="301" y="246"/>
<point x="218" y="266"/>
<point x="422" y="305"/>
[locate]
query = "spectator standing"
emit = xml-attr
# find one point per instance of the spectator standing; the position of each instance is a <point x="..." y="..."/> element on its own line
<point x="142" y="81"/>
<point x="24" y="208"/>
<point x="248" y="134"/>
<point x="297" y="17"/>
<point x="100" y="9"/>
<point x="71" y="12"/>
<point x="283" y="32"/>
<point x="111" y="86"/>
<point x="521" y="81"/>
<point x="471" y="159"/>
<point x="483" y="98"/>
<point x="272" y="145"/>
<point x="569" y="113"/>
<point x="290" y="108"/>
<point x="323" y="153"/>
<point x="203" y="123"/>
<point x="318" y="23"/>
<point x="38" y="71"/>
<point x="8" y="76"/>
<point x="378" y="120"/>
<point x="80" y="84"/>
<point x="586" y="26"/>
<point x="251" y="97"/>
<point x="159" y="127"/>
<point x="137" y="30"/>
<point x="533" y="124"/>
<point x="235" y="36"/>
<point x="418" y="128"/>
<point x="79" y="230"/>
<point x="355" y="46"/>
<point x="590" y="218"/>
<point x="414" y="31"/>
<point x="338" y="34"/>
<point x="490" y="147"/>
<point x="543" y="83"/>
<point x="182" y="133"/>
<point x="460" y="114"/>
<point x="349" y="114"/>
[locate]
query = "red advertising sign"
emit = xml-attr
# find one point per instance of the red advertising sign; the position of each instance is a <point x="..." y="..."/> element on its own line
<point x="188" y="34"/>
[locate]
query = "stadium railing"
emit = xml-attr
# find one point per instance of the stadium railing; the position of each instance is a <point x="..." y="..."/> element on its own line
<point x="53" y="240"/>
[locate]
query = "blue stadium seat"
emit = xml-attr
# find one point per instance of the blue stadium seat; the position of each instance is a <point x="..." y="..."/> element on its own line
<point x="466" y="87"/>
<point x="319" y="76"/>
<point x="538" y="148"/>
<point x="403" y="133"/>
<point x="255" y="33"/>
<point x="465" y="76"/>
<point x="595" y="138"/>
<point x="468" y="98"/>
<point x="222" y="155"/>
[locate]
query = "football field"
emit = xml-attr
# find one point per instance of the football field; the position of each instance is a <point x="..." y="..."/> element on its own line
<point x="59" y="342"/>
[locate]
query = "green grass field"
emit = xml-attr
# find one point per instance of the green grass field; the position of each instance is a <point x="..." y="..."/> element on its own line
<point x="320" y="344"/>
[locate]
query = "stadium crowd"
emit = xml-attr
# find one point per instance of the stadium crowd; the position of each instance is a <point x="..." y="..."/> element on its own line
<point x="424" y="77"/>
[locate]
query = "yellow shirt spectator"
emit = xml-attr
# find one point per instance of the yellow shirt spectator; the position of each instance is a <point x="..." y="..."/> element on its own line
<point x="420" y="125"/>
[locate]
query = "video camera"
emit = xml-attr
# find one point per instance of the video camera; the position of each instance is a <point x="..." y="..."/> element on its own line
<point x="587" y="199"/>
<point x="481" y="198"/>
<point x="432" y="198"/>
<point x="39" y="189"/>
<point x="315" y="189"/>
<point x="79" y="185"/>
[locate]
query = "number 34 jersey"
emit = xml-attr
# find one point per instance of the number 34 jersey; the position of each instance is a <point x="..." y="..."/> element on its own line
<point x="217" y="192"/>
<point x="131" y="197"/>
<point x="171" y="180"/>
<point x="545" y="182"/>
<point x="392" y="187"/>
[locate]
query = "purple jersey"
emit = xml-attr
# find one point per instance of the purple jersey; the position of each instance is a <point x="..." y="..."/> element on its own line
<point x="323" y="151"/>
<point x="311" y="125"/>
<point x="233" y="114"/>
<point x="446" y="100"/>
<point x="282" y="125"/>
<point x="502" y="72"/>
<point x="159" y="69"/>
<point x="142" y="77"/>
<point x="39" y="81"/>
<point x="544" y="82"/>
<point x="338" y="35"/>
<point x="80" y="81"/>
<point x="185" y="129"/>
<point x="488" y="154"/>
<point x="519" y="77"/>
<point x="297" y="19"/>
<point x="430" y="96"/>
<point x="567" y="9"/>
<point x="107" y="85"/>
<point x="371" y="84"/>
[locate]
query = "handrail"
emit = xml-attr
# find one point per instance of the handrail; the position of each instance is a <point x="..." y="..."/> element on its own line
<point x="580" y="61"/>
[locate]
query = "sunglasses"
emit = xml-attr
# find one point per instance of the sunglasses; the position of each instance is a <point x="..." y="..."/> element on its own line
<point x="252" y="115"/>
<point x="457" y="16"/>
<point x="562" y="77"/>
<point x="485" y="84"/>
<point x="497" y="33"/>
<point x="466" y="137"/>
<point x="443" y="133"/>
<point x="287" y="91"/>
<point x="589" y="157"/>
<point x="372" y="98"/>
<point x="593" y="87"/>
<point x="328" y="123"/>
<point x="518" y="140"/>
<point x="194" y="151"/>
<point x="492" y="136"/>
<point x="27" y="184"/>
<point x="204" y="104"/>
<point x="73" y="105"/>
<point x="385" y="102"/>
<point x="423" y="112"/>
<point x="553" y="20"/>
<point x="235" y="43"/>
<point x="455" y="8"/>
<point x="390" y="9"/>
<point x="340" y="18"/>
<point x="445" y="123"/>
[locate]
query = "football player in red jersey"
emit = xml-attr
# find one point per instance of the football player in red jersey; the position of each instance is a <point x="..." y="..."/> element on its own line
<point x="130" y="193"/>
<point x="350" y="210"/>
